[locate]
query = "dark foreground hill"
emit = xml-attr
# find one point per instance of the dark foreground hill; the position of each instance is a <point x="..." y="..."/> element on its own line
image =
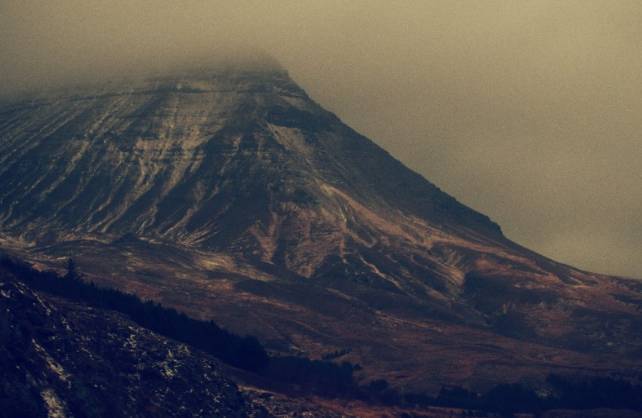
<point x="71" y="349"/>
<point x="61" y="358"/>
<point x="229" y="194"/>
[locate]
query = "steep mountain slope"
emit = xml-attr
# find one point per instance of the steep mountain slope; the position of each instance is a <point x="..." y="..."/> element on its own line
<point x="229" y="193"/>
<point x="208" y="160"/>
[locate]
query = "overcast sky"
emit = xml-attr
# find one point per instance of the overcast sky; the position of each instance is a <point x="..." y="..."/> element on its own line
<point x="528" y="111"/>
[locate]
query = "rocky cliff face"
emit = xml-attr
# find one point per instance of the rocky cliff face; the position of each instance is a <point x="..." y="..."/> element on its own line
<point x="229" y="193"/>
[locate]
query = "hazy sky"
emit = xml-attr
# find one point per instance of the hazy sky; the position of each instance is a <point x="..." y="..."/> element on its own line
<point x="528" y="111"/>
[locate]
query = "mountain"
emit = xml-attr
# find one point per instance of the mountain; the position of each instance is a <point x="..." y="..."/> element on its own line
<point x="229" y="194"/>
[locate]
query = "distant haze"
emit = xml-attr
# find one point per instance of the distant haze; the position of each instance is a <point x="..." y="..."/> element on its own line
<point x="528" y="111"/>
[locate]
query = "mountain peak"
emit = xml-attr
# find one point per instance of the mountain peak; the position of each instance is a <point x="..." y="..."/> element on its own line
<point x="234" y="156"/>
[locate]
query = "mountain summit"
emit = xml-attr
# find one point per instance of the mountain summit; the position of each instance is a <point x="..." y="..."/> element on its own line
<point x="229" y="193"/>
